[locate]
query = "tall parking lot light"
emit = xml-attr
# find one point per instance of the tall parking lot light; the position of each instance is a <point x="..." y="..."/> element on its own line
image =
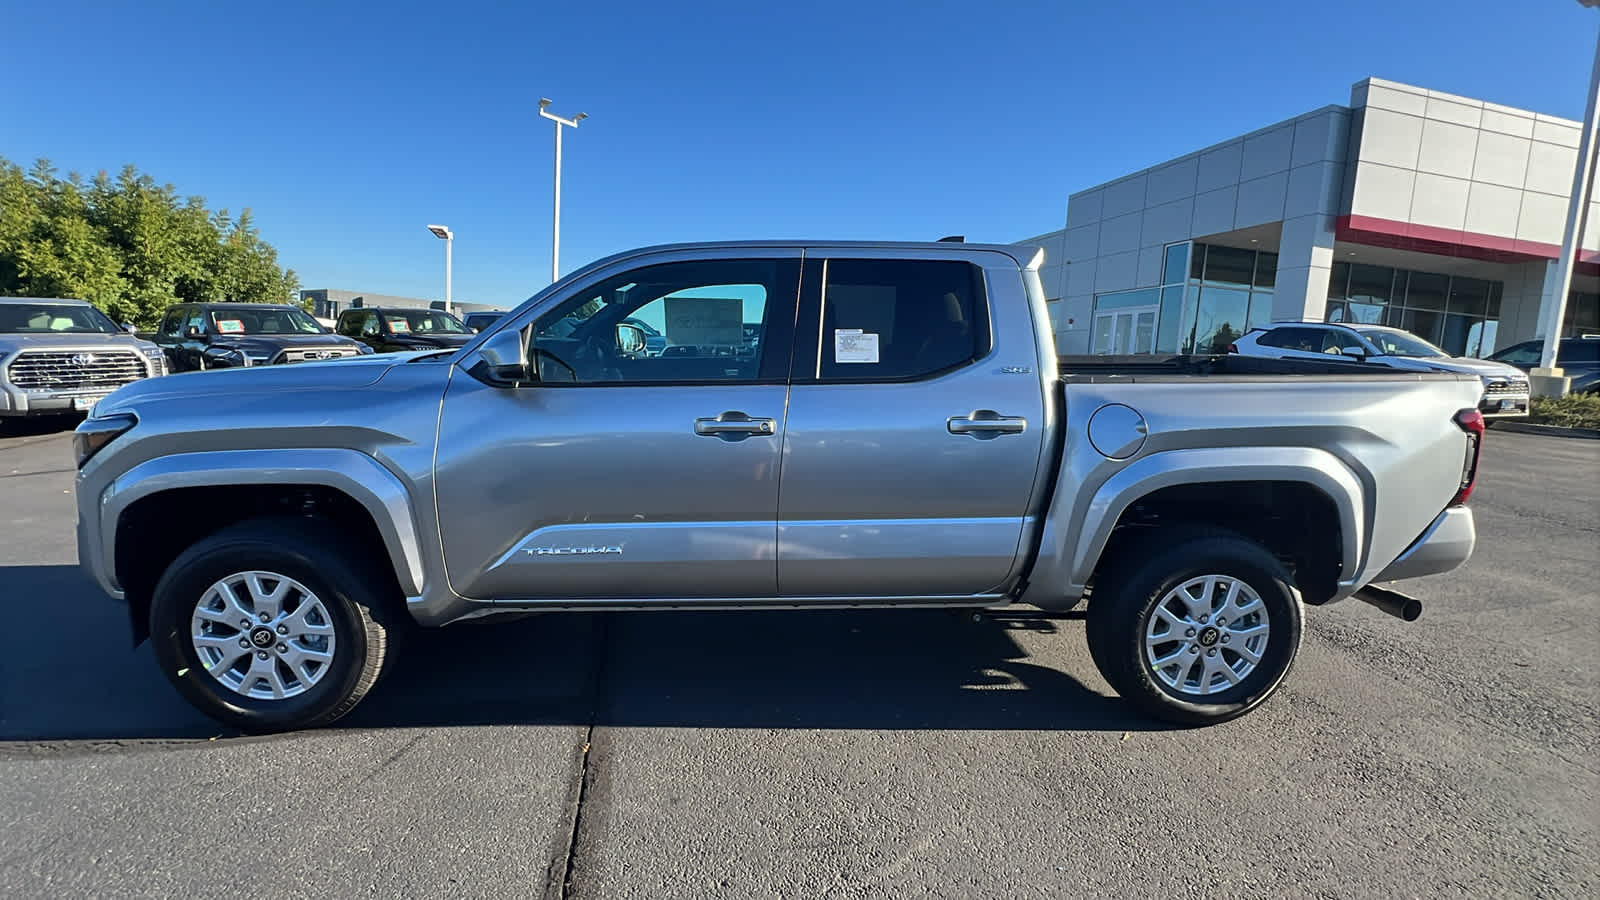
<point x="444" y="234"/>
<point x="555" y="229"/>
<point x="1577" y="216"/>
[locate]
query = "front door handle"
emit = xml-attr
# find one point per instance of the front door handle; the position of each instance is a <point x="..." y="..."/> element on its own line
<point x="985" y="424"/>
<point x="734" y="426"/>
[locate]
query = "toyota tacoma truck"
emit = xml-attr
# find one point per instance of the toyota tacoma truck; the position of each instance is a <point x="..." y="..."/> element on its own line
<point x="840" y="425"/>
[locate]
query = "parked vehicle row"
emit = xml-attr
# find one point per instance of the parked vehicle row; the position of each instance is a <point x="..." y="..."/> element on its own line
<point x="1505" y="387"/>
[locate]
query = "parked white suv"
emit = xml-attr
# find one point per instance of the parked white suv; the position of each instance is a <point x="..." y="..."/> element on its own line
<point x="1505" y="387"/>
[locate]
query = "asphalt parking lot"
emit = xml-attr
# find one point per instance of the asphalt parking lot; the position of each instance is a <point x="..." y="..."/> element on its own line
<point x="814" y="754"/>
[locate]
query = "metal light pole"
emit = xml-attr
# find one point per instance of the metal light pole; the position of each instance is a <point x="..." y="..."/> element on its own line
<point x="555" y="228"/>
<point x="445" y="234"/>
<point x="1577" y="217"/>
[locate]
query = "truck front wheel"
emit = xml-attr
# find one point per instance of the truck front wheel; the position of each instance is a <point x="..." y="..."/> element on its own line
<point x="269" y="625"/>
<point x="1194" y="626"/>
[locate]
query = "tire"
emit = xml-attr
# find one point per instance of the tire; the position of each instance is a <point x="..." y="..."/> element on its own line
<point x="1157" y="586"/>
<point x="310" y="663"/>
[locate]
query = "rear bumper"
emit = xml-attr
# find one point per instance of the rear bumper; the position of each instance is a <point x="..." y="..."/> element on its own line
<point x="1446" y="544"/>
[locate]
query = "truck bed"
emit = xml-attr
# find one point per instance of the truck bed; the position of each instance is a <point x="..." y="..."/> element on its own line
<point x="1083" y="369"/>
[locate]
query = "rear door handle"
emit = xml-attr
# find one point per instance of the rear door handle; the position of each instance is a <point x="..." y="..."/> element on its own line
<point x="734" y="426"/>
<point x="986" y="423"/>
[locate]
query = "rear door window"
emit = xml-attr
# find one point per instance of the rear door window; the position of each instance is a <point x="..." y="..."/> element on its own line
<point x="900" y="320"/>
<point x="1579" y="351"/>
<point x="1305" y="339"/>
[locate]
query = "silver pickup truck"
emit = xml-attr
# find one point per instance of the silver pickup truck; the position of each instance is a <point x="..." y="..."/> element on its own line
<point x="825" y="425"/>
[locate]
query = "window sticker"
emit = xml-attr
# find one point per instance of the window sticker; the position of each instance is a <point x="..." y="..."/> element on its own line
<point x="853" y="345"/>
<point x="701" y="321"/>
<point x="230" y="326"/>
<point x="398" y="325"/>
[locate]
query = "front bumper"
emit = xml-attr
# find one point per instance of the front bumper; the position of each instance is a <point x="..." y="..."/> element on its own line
<point x="1502" y="406"/>
<point x="15" y="401"/>
<point x="1446" y="544"/>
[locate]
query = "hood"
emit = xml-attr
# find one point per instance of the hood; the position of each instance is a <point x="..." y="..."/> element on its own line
<point x="12" y="342"/>
<point x="1467" y="365"/>
<point x="432" y="341"/>
<point x="228" y="386"/>
<point x="272" y="343"/>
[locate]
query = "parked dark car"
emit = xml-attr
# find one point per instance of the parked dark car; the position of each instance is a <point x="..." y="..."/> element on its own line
<point x="197" y="336"/>
<point x="400" y="329"/>
<point x="1578" y="357"/>
<point x="478" y="321"/>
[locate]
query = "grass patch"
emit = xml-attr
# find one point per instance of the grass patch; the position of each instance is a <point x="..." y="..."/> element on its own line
<point x="1571" y="411"/>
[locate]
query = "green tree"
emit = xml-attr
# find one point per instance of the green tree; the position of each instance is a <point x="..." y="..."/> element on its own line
<point x="128" y="244"/>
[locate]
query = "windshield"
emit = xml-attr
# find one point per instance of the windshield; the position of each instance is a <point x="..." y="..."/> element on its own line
<point x="53" y="318"/>
<point x="423" y="321"/>
<point x="268" y="320"/>
<point x="1398" y="343"/>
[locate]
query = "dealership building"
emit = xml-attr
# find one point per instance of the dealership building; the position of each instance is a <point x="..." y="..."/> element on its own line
<point x="1435" y="213"/>
<point x="329" y="302"/>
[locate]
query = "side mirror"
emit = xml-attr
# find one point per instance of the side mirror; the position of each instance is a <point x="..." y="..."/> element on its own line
<point x="1354" y="353"/>
<point x="193" y="332"/>
<point x="505" y="358"/>
<point x="129" y="328"/>
<point x="630" y="339"/>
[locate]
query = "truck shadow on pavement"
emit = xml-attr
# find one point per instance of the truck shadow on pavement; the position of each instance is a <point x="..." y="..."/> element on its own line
<point x="72" y="674"/>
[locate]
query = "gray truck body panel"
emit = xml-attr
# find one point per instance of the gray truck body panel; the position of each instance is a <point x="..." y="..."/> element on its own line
<point x="491" y="499"/>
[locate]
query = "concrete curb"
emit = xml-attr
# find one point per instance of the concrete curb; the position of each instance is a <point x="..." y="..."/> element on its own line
<point x="1592" y="434"/>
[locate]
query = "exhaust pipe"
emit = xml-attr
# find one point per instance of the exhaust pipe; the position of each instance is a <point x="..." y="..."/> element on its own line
<point x="1401" y="606"/>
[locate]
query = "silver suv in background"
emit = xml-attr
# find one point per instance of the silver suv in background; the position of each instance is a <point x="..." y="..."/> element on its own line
<point x="62" y="356"/>
<point x="1505" y="387"/>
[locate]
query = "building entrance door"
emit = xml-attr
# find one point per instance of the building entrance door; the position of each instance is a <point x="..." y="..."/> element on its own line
<point x="1120" y="332"/>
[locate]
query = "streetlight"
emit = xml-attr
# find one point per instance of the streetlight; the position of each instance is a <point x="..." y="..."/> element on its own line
<point x="1577" y="217"/>
<point x="444" y="234"/>
<point x="555" y="230"/>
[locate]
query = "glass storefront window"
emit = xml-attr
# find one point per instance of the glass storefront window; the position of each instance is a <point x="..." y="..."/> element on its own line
<point x="1583" y="314"/>
<point x="1260" y="309"/>
<point x="1222" y="316"/>
<point x="1468" y="296"/>
<point x="1424" y="291"/>
<point x="1371" y="284"/>
<point x="1338" y="281"/>
<point x="1424" y="323"/>
<point x="1266" y="270"/>
<point x="1167" y="337"/>
<point x="1126" y="299"/>
<point x="1229" y="265"/>
<point x="1177" y="262"/>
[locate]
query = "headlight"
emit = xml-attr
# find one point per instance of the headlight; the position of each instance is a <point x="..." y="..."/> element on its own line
<point x="259" y="359"/>
<point x="1491" y="379"/>
<point x="94" y="434"/>
<point x="228" y="353"/>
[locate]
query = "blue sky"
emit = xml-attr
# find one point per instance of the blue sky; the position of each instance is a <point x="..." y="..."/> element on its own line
<point x="347" y="131"/>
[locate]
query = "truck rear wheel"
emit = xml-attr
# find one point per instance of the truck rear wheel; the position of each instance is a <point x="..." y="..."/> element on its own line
<point x="269" y="625"/>
<point x="1195" y="626"/>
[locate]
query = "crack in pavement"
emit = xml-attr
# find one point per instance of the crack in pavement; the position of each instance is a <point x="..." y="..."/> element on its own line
<point x="559" y="874"/>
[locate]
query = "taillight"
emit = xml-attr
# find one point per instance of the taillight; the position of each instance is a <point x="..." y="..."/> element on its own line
<point x="1470" y="421"/>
